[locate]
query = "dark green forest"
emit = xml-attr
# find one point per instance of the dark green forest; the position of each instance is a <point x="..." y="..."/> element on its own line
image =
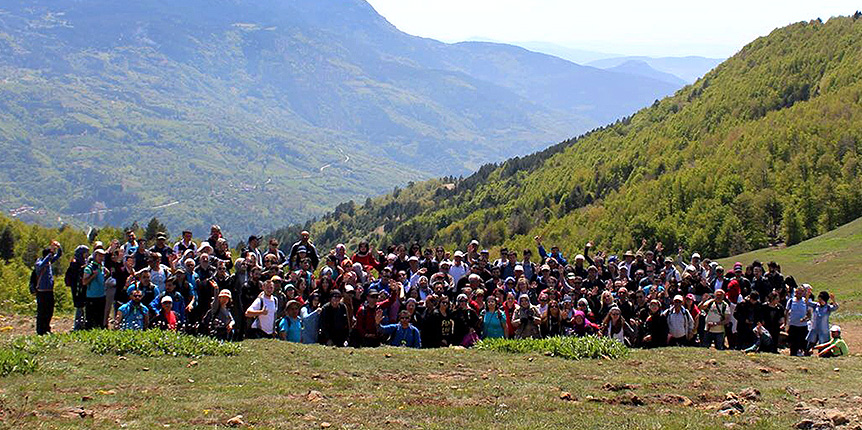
<point x="762" y="150"/>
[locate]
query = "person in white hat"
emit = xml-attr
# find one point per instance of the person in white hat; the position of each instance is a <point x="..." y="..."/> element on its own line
<point x="836" y="347"/>
<point x="459" y="268"/>
<point x="680" y="323"/>
<point x="166" y="319"/>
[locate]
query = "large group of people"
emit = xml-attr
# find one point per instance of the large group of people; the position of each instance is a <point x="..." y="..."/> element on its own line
<point x="433" y="297"/>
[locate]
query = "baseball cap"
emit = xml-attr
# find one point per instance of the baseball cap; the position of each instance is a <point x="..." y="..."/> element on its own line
<point x="677" y="298"/>
<point x="222" y="293"/>
<point x="161" y="235"/>
<point x="168" y="299"/>
<point x="459" y="254"/>
<point x="413" y="258"/>
<point x="835" y="328"/>
<point x="349" y="288"/>
<point x="519" y="268"/>
<point x="695" y="255"/>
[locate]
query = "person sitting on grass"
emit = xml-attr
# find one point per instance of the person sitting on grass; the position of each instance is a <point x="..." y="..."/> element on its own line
<point x="133" y="315"/>
<point x="763" y="341"/>
<point x="401" y="334"/>
<point x="836" y="347"/>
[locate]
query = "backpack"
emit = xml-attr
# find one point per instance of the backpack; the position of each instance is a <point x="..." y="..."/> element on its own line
<point x="35" y="276"/>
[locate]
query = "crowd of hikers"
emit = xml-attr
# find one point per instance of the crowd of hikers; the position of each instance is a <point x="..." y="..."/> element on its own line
<point x="429" y="298"/>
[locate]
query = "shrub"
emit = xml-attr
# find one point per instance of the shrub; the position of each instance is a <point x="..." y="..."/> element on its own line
<point x="569" y="347"/>
<point x="19" y="356"/>
<point x="15" y="361"/>
<point x="152" y="343"/>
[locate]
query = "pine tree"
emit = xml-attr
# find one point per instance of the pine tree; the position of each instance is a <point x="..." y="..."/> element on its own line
<point x="7" y="244"/>
<point x="153" y="228"/>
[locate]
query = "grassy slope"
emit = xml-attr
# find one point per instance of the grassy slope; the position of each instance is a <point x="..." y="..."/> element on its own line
<point x="832" y="262"/>
<point x="388" y="388"/>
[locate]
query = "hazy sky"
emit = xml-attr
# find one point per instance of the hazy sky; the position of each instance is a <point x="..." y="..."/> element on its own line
<point x="657" y="27"/>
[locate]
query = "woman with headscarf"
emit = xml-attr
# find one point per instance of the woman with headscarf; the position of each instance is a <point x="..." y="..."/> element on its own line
<point x="526" y="319"/>
<point x="581" y="326"/>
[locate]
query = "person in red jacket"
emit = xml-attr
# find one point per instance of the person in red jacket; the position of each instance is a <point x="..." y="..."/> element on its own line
<point x="367" y="257"/>
<point x="366" y="324"/>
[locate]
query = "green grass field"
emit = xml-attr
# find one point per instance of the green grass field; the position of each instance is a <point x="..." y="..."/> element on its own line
<point x="275" y="384"/>
<point x="831" y="262"/>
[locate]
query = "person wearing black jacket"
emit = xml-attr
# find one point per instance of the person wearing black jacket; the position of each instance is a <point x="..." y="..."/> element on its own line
<point x="747" y="315"/>
<point x="73" y="281"/>
<point x="466" y="320"/>
<point x="334" y="321"/>
<point x="311" y="251"/>
<point x="772" y="315"/>
<point x="655" y="327"/>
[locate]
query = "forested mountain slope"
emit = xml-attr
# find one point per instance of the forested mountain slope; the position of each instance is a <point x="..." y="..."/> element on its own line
<point x="764" y="148"/>
<point x="253" y="114"/>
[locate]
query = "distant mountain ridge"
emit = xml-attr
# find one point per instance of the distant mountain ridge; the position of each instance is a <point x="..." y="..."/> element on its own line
<point x="119" y="111"/>
<point x="641" y="68"/>
<point x="689" y="69"/>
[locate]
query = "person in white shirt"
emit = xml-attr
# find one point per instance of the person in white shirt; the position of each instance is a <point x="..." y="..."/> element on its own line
<point x="459" y="268"/>
<point x="263" y="311"/>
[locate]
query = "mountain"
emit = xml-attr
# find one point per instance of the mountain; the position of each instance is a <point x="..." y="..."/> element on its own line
<point x="254" y="114"/>
<point x="579" y="56"/>
<point x="689" y="69"/>
<point x="641" y="68"/>
<point x="763" y="149"/>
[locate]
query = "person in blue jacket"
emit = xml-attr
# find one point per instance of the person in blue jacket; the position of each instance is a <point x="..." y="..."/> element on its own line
<point x="555" y="252"/>
<point x="45" y="287"/>
<point x="401" y="334"/>
<point x="178" y="303"/>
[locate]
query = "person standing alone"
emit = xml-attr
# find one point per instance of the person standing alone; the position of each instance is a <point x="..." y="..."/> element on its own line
<point x="44" y="273"/>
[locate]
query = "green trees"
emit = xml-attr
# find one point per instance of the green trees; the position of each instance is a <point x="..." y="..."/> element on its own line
<point x="154" y="227"/>
<point x="7" y="244"/>
<point x="762" y="150"/>
<point x="26" y="245"/>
